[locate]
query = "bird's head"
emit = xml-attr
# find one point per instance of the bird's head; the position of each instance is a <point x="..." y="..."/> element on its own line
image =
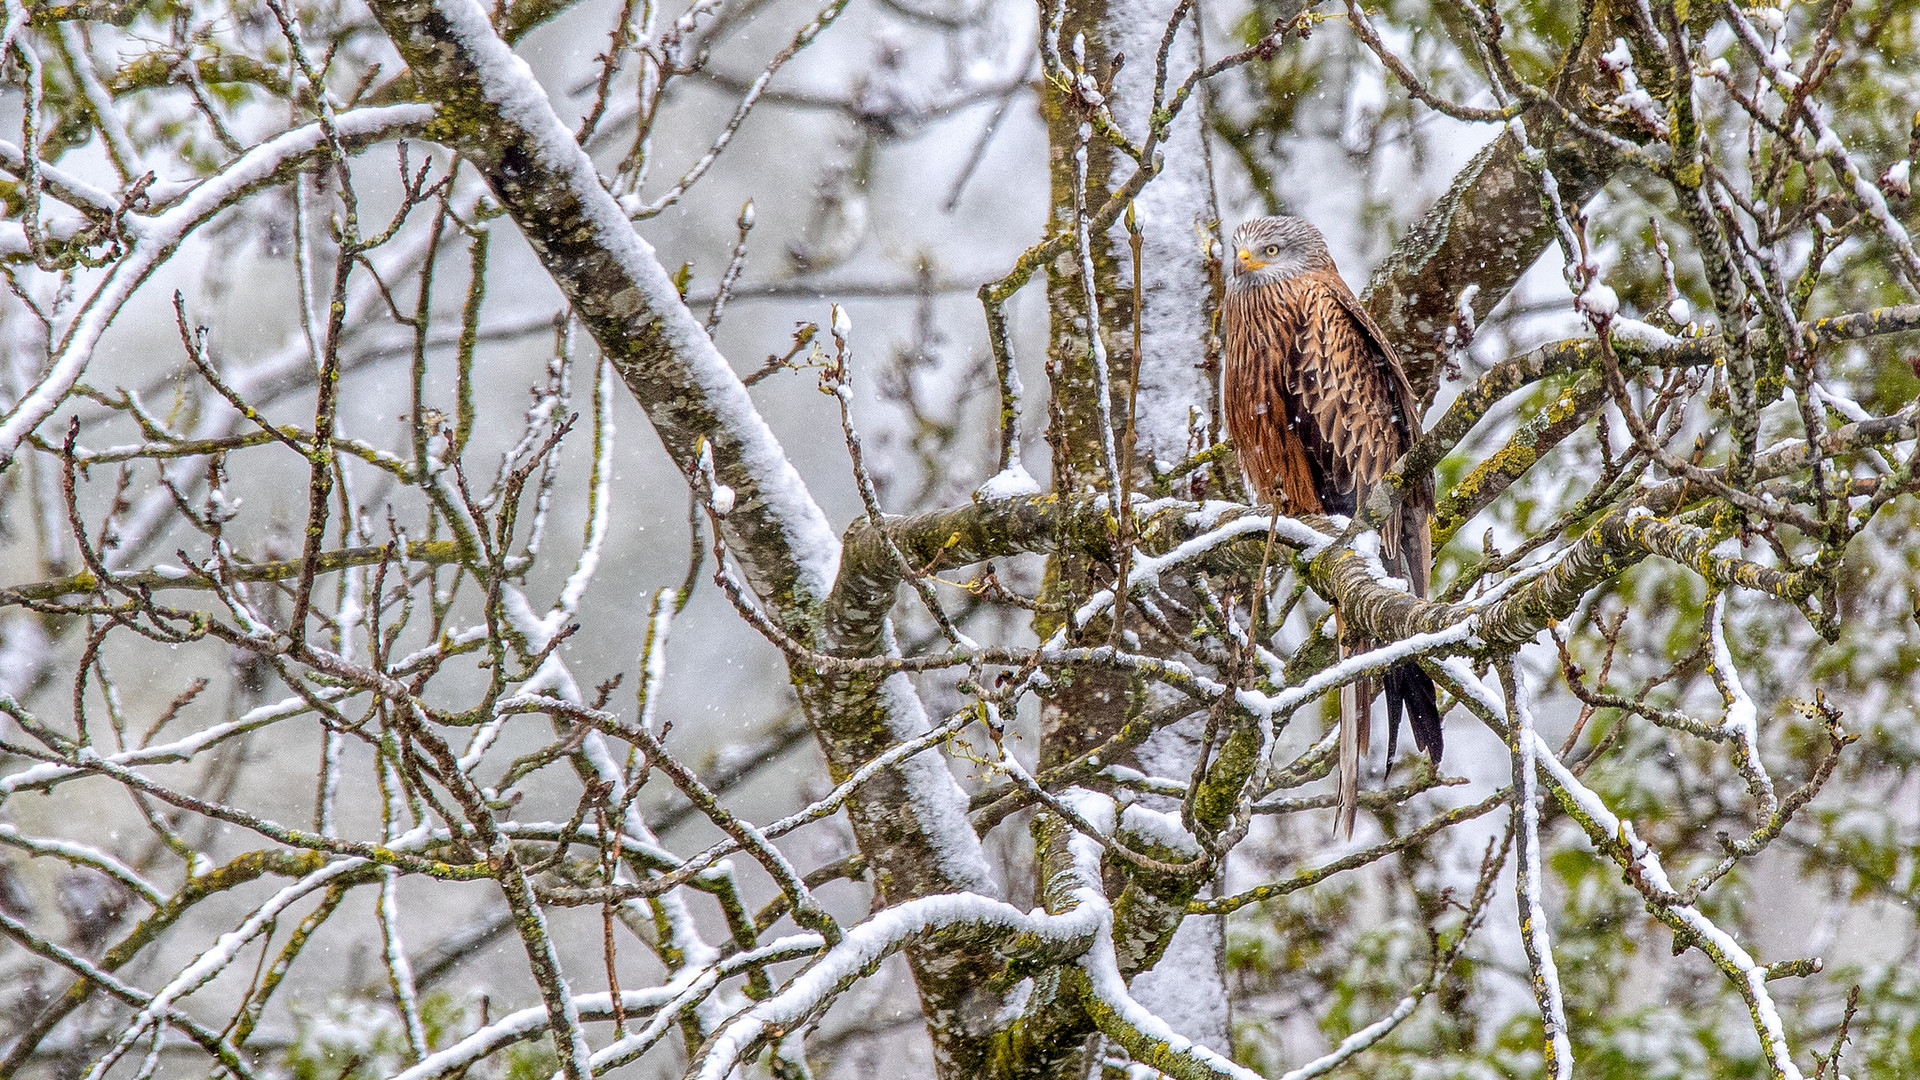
<point x="1270" y="249"/>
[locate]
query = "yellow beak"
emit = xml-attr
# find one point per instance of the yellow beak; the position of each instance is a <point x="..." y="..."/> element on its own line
<point x="1247" y="261"/>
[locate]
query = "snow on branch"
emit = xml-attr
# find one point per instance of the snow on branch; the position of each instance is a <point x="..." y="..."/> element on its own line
<point x="203" y="968"/>
<point x="664" y="1005"/>
<point x="1147" y="569"/>
<point x="977" y="922"/>
<point x="1535" y="936"/>
<point x="154" y="240"/>
<point x="437" y="663"/>
<point x="1615" y="837"/>
<point x="622" y="293"/>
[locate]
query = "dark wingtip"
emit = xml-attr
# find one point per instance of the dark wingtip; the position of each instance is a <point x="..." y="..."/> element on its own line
<point x="1410" y="690"/>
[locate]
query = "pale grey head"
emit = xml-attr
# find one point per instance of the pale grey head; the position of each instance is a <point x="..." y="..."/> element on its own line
<point x="1267" y="250"/>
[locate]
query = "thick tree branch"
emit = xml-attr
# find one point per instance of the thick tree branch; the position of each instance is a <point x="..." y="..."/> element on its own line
<point x="497" y="116"/>
<point x="911" y="822"/>
<point x="1490" y="225"/>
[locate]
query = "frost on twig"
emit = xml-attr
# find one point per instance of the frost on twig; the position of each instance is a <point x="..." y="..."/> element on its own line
<point x="350" y="602"/>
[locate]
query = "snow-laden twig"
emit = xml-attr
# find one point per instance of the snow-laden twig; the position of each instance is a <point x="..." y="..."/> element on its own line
<point x="519" y="1026"/>
<point x="1096" y="344"/>
<point x="347" y="616"/>
<point x="640" y="843"/>
<point x="599" y="495"/>
<point x="387" y="910"/>
<point x="560" y="385"/>
<point x="1146" y="569"/>
<point x="1641" y="335"/>
<point x="107" y="116"/>
<point x="838" y="380"/>
<point x="394" y="956"/>
<point x="692" y="986"/>
<point x="1531" y="572"/>
<point x="983" y="923"/>
<point x="1615" y="837"/>
<point x="1535" y="937"/>
<point x="303" y="273"/>
<point x="659" y="1000"/>
<point x="1639" y="859"/>
<point x="1840" y="403"/>
<point x="74" y="190"/>
<point x="1434" y="643"/>
<point x="84" y="855"/>
<point x="203" y="968"/>
<point x="1437" y="972"/>
<point x="1828" y="145"/>
<point x="215" y="1043"/>
<point x="153" y="240"/>
<point x="1741" y="721"/>
<point x="653" y="659"/>
<point x="186" y="748"/>
<point x="669" y="912"/>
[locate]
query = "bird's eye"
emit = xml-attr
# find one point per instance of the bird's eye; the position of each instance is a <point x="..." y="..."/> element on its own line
<point x="1273" y="249"/>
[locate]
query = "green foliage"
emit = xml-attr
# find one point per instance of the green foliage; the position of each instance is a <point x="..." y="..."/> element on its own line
<point x="1844" y="878"/>
<point x="1886" y="1040"/>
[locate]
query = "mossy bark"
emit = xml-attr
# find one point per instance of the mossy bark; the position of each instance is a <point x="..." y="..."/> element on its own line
<point x="1490" y="226"/>
<point x="911" y="844"/>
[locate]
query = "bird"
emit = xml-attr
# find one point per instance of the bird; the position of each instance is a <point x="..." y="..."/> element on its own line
<point x="1318" y="409"/>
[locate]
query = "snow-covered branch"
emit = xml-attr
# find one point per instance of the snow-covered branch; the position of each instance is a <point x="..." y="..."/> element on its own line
<point x="151" y="241"/>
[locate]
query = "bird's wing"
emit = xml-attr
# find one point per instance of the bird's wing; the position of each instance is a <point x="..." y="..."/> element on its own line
<point x="1408" y="401"/>
<point x="1402" y="387"/>
<point x="1355" y="420"/>
<point x="1405" y="405"/>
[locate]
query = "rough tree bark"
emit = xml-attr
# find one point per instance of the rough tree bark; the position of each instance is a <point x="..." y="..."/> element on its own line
<point x="696" y="403"/>
<point x="1485" y="232"/>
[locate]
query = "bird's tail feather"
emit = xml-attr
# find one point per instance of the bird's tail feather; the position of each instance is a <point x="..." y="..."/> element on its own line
<point x="1349" y="763"/>
<point x="1356" y="738"/>
<point x="1410" y="690"/>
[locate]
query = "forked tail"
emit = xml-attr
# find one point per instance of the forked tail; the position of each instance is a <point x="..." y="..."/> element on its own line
<point x="1410" y="690"/>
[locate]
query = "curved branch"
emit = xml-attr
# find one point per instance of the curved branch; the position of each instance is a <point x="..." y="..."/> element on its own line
<point x="155" y="239"/>
<point x="499" y="118"/>
<point x="972" y="923"/>
<point x="910" y="822"/>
